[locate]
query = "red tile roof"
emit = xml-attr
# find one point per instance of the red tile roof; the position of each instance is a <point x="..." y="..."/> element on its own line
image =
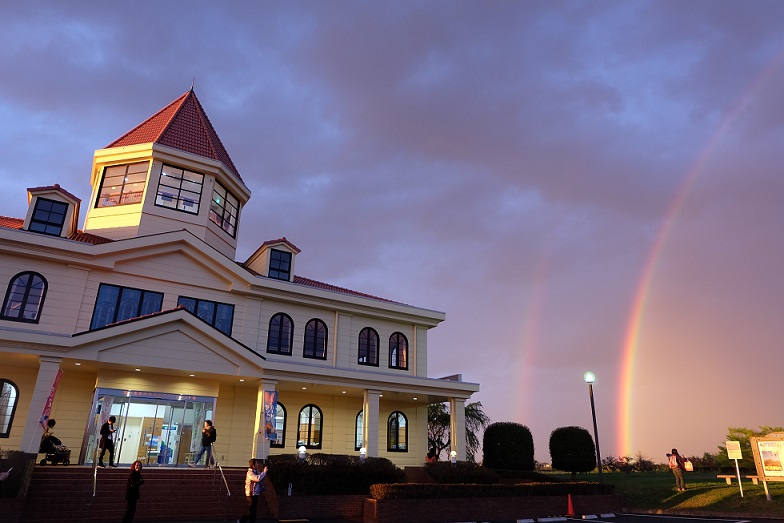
<point x="55" y="187"/>
<point x="183" y="125"/>
<point x="78" y="236"/>
<point x="332" y="288"/>
<point x="11" y="223"/>
<point x="282" y="240"/>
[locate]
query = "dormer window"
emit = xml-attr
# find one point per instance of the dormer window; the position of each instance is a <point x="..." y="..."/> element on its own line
<point x="179" y="189"/>
<point x="122" y="184"/>
<point x="280" y="265"/>
<point x="48" y="216"/>
<point x="224" y="209"/>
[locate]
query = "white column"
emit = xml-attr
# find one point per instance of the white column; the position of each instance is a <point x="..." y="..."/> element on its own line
<point x="370" y="422"/>
<point x="47" y="369"/>
<point x="260" y="443"/>
<point x="457" y="427"/>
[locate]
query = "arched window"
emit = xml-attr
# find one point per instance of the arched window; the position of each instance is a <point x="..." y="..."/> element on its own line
<point x="397" y="432"/>
<point x="368" y="347"/>
<point x="398" y="351"/>
<point x="309" y="428"/>
<point x="9" y="393"/>
<point x="315" y="340"/>
<point x="24" y="297"/>
<point x="280" y="427"/>
<point x="281" y="334"/>
<point x="359" y="430"/>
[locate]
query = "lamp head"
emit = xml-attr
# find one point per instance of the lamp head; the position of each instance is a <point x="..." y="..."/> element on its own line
<point x="589" y="377"/>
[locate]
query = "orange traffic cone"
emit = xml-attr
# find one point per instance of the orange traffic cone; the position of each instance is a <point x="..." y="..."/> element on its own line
<point x="569" y="506"/>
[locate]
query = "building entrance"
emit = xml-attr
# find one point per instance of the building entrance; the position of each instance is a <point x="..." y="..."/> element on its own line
<point x="156" y="428"/>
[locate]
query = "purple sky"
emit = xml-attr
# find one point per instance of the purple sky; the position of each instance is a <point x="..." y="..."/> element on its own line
<point x="509" y="163"/>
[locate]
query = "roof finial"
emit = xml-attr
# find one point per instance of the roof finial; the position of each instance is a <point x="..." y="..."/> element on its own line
<point x="193" y="82"/>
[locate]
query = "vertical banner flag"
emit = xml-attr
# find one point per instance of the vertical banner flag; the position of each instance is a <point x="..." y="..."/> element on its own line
<point x="48" y="406"/>
<point x="270" y="407"/>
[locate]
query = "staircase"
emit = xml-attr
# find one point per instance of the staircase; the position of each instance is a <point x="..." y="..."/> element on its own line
<point x="65" y="494"/>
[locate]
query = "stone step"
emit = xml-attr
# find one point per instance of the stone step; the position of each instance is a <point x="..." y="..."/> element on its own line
<point x="65" y="494"/>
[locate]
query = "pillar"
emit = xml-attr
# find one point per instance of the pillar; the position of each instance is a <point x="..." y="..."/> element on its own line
<point x="261" y="444"/>
<point x="370" y="422"/>
<point x="457" y="427"/>
<point x="47" y="370"/>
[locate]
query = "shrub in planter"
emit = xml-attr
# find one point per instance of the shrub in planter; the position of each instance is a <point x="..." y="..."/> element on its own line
<point x="324" y="474"/>
<point x="460" y="472"/>
<point x="509" y="446"/>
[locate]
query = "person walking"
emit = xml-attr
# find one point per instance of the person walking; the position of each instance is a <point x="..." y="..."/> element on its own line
<point x="107" y="443"/>
<point x="254" y="486"/>
<point x="208" y="436"/>
<point x="135" y="481"/>
<point x="677" y="465"/>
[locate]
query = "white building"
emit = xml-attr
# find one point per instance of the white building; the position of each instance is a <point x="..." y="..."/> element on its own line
<point x="149" y="317"/>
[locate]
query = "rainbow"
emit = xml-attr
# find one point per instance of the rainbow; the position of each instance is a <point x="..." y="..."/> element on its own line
<point x="626" y="421"/>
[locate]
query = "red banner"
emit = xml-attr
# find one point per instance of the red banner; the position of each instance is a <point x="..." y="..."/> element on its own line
<point x="48" y="407"/>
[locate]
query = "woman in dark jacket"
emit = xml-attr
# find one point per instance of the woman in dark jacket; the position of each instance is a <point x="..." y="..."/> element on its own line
<point x="135" y="481"/>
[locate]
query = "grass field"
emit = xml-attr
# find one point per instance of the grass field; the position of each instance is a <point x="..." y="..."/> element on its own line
<point x="705" y="494"/>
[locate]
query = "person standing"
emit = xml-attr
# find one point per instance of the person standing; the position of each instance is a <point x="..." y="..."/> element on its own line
<point x="107" y="443"/>
<point x="208" y="437"/>
<point x="254" y="486"/>
<point x="678" y="466"/>
<point x="135" y="481"/>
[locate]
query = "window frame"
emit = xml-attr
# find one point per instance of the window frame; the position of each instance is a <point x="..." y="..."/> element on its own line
<point x="281" y="431"/>
<point x="181" y="202"/>
<point x="367" y="349"/>
<point x="313" y="342"/>
<point x="217" y="306"/>
<point x="41" y="220"/>
<point x="10" y="422"/>
<point x="229" y="209"/>
<point x="359" y="429"/>
<point x="290" y="336"/>
<point x="141" y="309"/>
<point x="393" y="433"/>
<point x="308" y="443"/>
<point x="104" y="197"/>
<point x="395" y="351"/>
<point x="275" y="265"/>
<point x="24" y="302"/>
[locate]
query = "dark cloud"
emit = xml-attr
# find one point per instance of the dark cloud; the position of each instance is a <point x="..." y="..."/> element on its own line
<point x="511" y="164"/>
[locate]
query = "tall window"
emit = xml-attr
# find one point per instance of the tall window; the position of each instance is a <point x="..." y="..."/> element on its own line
<point x="8" y="396"/>
<point x="309" y="428"/>
<point x="281" y="334"/>
<point x="224" y="209"/>
<point x="280" y="427"/>
<point x="315" y="340"/>
<point x="122" y="184"/>
<point x="115" y="303"/>
<point x="280" y="265"/>
<point x="48" y="216"/>
<point x="397" y="432"/>
<point x="24" y="297"/>
<point x="179" y="189"/>
<point x="398" y="351"/>
<point x="359" y="430"/>
<point x="368" y="347"/>
<point x="219" y="315"/>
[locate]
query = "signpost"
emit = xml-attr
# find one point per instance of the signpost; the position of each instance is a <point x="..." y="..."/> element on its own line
<point x="733" y="452"/>
<point x="768" y="453"/>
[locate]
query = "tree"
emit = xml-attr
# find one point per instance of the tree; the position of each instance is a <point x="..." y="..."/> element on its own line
<point x="743" y="435"/>
<point x="438" y="436"/>
<point x="508" y="446"/>
<point x="572" y="450"/>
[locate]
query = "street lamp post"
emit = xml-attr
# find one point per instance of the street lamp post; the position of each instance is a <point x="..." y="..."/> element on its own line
<point x="589" y="378"/>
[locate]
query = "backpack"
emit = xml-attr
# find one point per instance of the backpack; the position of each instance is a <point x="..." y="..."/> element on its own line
<point x="673" y="461"/>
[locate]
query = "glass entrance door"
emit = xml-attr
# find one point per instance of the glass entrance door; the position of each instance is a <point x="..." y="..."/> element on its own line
<point x="157" y="429"/>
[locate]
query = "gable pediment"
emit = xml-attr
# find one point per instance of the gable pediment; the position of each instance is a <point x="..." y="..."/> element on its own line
<point x="176" y="341"/>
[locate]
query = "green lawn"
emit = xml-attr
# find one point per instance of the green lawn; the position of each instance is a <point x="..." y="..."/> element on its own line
<point x="705" y="494"/>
